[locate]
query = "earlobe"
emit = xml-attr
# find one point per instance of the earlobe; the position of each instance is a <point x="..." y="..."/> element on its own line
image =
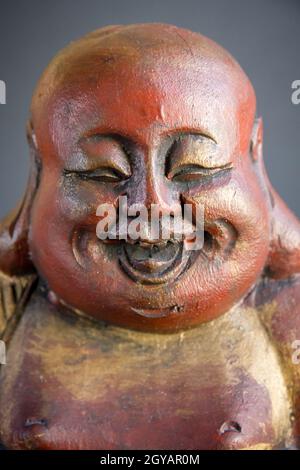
<point x="256" y="151"/>
<point x="14" y="251"/>
<point x="284" y="255"/>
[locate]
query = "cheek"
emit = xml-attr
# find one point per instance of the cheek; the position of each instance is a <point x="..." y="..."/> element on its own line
<point x="61" y="207"/>
<point x="57" y="217"/>
<point x="78" y="200"/>
<point x="243" y="204"/>
<point x="68" y="202"/>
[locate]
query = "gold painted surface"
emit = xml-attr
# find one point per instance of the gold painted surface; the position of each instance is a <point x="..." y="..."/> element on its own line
<point x="89" y="362"/>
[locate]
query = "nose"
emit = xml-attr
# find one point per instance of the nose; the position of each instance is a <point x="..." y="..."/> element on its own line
<point x="153" y="189"/>
<point x="155" y="194"/>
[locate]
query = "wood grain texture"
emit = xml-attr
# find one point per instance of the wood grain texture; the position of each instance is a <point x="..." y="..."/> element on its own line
<point x="13" y="295"/>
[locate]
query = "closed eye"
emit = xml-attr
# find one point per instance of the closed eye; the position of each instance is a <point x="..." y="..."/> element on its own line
<point x="190" y="173"/>
<point x="102" y="175"/>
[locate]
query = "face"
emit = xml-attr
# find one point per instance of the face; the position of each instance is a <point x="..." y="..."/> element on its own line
<point x="159" y="134"/>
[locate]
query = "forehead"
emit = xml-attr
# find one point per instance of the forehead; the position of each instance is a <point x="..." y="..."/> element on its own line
<point x="146" y="95"/>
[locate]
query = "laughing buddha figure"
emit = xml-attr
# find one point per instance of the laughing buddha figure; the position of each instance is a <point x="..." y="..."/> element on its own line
<point x="145" y="344"/>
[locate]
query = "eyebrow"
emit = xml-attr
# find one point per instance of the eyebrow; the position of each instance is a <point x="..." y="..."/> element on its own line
<point x="116" y="136"/>
<point x="192" y="133"/>
<point x="123" y="141"/>
<point x="124" y="138"/>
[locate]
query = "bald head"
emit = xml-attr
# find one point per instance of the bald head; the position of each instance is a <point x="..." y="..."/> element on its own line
<point x="119" y="64"/>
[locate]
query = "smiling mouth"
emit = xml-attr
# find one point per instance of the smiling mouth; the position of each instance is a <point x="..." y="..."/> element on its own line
<point x="158" y="263"/>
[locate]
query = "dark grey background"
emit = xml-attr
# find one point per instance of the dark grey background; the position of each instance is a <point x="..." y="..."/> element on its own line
<point x="263" y="35"/>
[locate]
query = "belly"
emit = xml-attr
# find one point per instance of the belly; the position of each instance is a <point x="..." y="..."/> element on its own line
<point x="71" y="384"/>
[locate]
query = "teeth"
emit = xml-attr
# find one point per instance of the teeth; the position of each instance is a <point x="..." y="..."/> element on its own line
<point x="151" y="246"/>
<point x="154" y="257"/>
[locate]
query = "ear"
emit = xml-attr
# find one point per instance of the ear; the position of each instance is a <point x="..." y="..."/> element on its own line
<point x="14" y="251"/>
<point x="284" y="254"/>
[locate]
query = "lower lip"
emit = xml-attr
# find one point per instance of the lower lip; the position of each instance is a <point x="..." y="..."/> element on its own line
<point x="170" y="274"/>
<point x="157" y="313"/>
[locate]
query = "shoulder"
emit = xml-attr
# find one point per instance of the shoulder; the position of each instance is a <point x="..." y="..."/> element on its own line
<point x="278" y="304"/>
